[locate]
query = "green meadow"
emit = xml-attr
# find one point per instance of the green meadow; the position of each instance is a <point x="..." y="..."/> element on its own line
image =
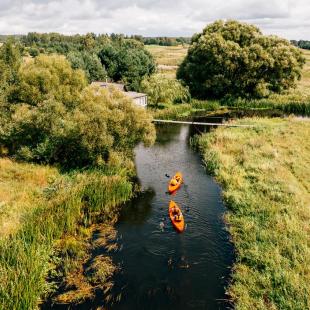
<point x="264" y="172"/>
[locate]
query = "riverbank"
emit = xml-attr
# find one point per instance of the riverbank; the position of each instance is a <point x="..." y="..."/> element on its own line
<point x="265" y="176"/>
<point x="276" y="105"/>
<point x="46" y="222"/>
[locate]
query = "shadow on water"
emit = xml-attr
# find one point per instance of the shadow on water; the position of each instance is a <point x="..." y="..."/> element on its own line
<point x="138" y="210"/>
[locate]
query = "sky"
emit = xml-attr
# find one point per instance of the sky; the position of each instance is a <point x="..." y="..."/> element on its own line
<point x="287" y="18"/>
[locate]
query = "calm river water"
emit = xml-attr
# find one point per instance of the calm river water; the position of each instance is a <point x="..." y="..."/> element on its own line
<point x="162" y="269"/>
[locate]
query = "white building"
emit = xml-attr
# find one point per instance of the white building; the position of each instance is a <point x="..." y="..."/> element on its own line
<point x="139" y="99"/>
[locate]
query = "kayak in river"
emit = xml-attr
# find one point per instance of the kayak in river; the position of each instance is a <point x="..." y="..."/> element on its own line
<point x="175" y="182"/>
<point x="176" y="216"/>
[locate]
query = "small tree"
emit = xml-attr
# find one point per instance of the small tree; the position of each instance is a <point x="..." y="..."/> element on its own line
<point x="103" y="123"/>
<point x="10" y="61"/>
<point x="90" y="63"/>
<point x="161" y="89"/>
<point x="46" y="77"/>
<point x="233" y="58"/>
<point x="33" y="52"/>
<point x="127" y="61"/>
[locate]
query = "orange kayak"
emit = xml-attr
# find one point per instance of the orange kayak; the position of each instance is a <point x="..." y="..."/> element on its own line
<point x="175" y="182"/>
<point x="178" y="224"/>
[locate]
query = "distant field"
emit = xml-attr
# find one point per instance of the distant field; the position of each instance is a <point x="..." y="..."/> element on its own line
<point x="304" y="83"/>
<point x="168" y="55"/>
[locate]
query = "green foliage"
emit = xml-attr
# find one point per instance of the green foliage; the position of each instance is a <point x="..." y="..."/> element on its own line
<point x="302" y="44"/>
<point x="33" y="52"/>
<point x="10" y="61"/>
<point x="161" y="89"/>
<point x="206" y="105"/>
<point x="49" y="77"/>
<point x="235" y="59"/>
<point x="62" y="44"/>
<point x="292" y="103"/>
<point x="173" y="111"/>
<point x="124" y="59"/>
<point x="164" y="41"/>
<point x="102" y="122"/>
<point x="90" y="63"/>
<point x="127" y="61"/>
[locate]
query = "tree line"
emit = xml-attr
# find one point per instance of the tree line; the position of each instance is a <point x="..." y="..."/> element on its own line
<point x="114" y="57"/>
<point x="226" y="60"/>
<point x="301" y="44"/>
<point x="166" y="41"/>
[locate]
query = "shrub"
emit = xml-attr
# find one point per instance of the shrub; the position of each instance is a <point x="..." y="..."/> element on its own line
<point x="102" y="122"/>
<point x="127" y="61"/>
<point x="90" y="63"/>
<point x="34" y="52"/>
<point x="161" y="89"/>
<point x="10" y="61"/>
<point x="46" y="77"/>
<point x="235" y="59"/>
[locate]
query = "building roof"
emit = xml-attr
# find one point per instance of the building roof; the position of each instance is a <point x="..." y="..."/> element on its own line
<point x="134" y="94"/>
<point x="121" y="87"/>
<point x="107" y="84"/>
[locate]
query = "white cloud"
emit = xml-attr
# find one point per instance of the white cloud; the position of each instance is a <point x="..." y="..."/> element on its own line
<point x="286" y="18"/>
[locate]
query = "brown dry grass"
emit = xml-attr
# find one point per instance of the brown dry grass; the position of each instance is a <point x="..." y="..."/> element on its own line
<point x="20" y="188"/>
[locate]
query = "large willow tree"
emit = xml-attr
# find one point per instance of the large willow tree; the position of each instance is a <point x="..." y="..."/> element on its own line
<point x="56" y="119"/>
<point x="236" y="59"/>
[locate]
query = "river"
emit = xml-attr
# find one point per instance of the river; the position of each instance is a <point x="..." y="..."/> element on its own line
<point x="160" y="268"/>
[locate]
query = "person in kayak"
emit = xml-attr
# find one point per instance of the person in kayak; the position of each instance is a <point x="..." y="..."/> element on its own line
<point x="174" y="182"/>
<point x="178" y="217"/>
<point x="176" y="214"/>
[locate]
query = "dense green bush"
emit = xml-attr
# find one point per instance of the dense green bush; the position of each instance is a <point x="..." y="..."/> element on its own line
<point x="127" y="61"/>
<point x="102" y="122"/>
<point x="161" y="89"/>
<point x="10" y="61"/>
<point x="90" y="63"/>
<point x="46" y="77"/>
<point x="34" y="52"/>
<point x="233" y="58"/>
<point x="120" y="58"/>
<point x="57" y="120"/>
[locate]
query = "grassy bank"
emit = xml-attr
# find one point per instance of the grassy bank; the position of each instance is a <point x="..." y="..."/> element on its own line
<point x="38" y="207"/>
<point x="187" y="110"/>
<point x="265" y="176"/>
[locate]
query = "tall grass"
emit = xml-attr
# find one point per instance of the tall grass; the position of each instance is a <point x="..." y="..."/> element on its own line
<point x="266" y="185"/>
<point x="173" y="111"/>
<point x="185" y="111"/>
<point x="79" y="199"/>
<point x="292" y="103"/>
